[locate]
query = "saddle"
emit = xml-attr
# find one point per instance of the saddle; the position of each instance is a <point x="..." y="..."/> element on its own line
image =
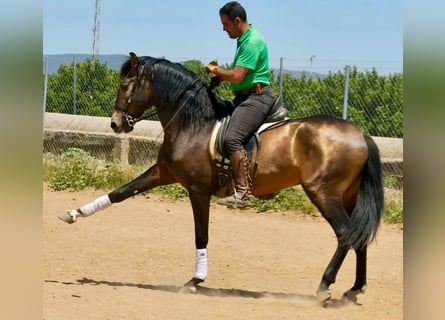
<point x="277" y="116"/>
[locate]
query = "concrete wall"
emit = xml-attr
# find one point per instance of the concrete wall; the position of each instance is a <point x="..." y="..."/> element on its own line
<point x="94" y="134"/>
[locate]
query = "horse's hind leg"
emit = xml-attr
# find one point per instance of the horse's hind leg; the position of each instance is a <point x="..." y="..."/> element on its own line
<point x="333" y="211"/>
<point x="360" y="275"/>
<point x="330" y="274"/>
<point x="337" y="217"/>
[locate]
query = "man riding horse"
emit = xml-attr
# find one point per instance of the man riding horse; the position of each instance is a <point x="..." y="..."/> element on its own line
<point x="335" y="162"/>
<point x="249" y="80"/>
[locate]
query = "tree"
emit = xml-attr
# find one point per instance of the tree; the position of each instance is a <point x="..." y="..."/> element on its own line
<point x="222" y="91"/>
<point x="375" y="102"/>
<point x="96" y="88"/>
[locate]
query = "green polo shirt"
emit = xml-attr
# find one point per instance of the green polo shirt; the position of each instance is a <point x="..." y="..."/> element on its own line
<point x="252" y="53"/>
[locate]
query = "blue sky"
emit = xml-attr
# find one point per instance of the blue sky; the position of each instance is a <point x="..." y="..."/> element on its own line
<point x="335" y="31"/>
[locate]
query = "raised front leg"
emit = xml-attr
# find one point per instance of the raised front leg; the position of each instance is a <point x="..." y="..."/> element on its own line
<point x="151" y="178"/>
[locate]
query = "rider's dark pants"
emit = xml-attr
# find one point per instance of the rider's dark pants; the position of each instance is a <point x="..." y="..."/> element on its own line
<point x="249" y="113"/>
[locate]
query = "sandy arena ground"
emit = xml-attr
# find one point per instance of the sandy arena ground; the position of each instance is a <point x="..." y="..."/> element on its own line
<point x="130" y="261"/>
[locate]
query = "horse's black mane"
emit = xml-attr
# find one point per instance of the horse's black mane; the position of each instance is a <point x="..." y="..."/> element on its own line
<point x="180" y="87"/>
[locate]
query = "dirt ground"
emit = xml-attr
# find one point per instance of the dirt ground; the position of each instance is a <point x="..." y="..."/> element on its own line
<point x="130" y="261"/>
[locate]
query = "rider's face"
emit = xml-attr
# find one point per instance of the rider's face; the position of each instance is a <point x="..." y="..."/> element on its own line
<point x="231" y="26"/>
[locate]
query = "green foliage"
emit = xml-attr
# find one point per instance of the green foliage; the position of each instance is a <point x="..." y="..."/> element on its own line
<point x="73" y="170"/>
<point x="111" y="176"/>
<point x="293" y="199"/>
<point x="222" y="91"/>
<point x="195" y="66"/>
<point x="375" y="102"/>
<point x="96" y="89"/>
<point x="175" y="191"/>
<point x="393" y="182"/>
<point x="76" y="169"/>
<point x="393" y="212"/>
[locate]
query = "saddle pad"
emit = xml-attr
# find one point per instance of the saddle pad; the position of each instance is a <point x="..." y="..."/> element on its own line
<point x="219" y="129"/>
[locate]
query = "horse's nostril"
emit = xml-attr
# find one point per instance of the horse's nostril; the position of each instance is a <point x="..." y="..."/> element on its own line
<point x="113" y="125"/>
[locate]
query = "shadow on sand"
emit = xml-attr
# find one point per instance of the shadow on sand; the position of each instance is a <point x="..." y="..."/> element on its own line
<point x="217" y="292"/>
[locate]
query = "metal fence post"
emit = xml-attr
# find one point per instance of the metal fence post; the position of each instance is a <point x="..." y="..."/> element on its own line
<point x="74" y="85"/>
<point x="45" y="89"/>
<point x="345" y="98"/>
<point x="281" y="77"/>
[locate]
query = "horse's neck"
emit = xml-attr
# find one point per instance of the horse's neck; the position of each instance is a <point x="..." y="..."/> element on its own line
<point x="172" y="101"/>
<point x="168" y="116"/>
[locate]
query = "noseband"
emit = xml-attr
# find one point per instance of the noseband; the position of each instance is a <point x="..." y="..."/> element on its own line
<point x="130" y="119"/>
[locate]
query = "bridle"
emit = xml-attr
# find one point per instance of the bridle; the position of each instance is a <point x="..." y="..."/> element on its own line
<point x="132" y="120"/>
<point x="129" y="118"/>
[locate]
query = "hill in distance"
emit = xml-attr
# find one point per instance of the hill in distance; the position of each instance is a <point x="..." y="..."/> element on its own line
<point x="114" y="62"/>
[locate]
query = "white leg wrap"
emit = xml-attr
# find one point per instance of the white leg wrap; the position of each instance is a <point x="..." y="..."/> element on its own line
<point x="98" y="204"/>
<point x="201" y="264"/>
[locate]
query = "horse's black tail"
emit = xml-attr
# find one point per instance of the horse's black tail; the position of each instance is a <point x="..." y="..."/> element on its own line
<point x="365" y="218"/>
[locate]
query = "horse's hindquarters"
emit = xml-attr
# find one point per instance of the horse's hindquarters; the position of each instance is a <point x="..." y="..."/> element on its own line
<point x="320" y="152"/>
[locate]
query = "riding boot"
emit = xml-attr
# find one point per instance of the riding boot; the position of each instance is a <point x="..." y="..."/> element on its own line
<point x="240" y="169"/>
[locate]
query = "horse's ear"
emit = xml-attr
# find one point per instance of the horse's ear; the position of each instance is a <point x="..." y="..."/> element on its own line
<point x="134" y="60"/>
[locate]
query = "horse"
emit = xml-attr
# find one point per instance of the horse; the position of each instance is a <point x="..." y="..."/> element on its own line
<point x="335" y="162"/>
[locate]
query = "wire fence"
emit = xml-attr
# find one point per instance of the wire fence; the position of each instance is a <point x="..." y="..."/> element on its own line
<point x="369" y="96"/>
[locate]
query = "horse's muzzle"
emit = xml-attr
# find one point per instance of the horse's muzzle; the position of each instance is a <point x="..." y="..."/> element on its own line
<point x="116" y="128"/>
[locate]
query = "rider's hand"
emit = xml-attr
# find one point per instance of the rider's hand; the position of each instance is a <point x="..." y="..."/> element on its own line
<point x="214" y="81"/>
<point x="211" y="67"/>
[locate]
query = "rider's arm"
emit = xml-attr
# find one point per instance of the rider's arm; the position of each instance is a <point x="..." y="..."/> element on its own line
<point x="234" y="76"/>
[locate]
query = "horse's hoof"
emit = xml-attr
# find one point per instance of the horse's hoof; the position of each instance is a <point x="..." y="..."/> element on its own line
<point x="323" y="296"/>
<point x="191" y="286"/>
<point x="187" y="289"/>
<point x="69" y="216"/>
<point x="350" y="296"/>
